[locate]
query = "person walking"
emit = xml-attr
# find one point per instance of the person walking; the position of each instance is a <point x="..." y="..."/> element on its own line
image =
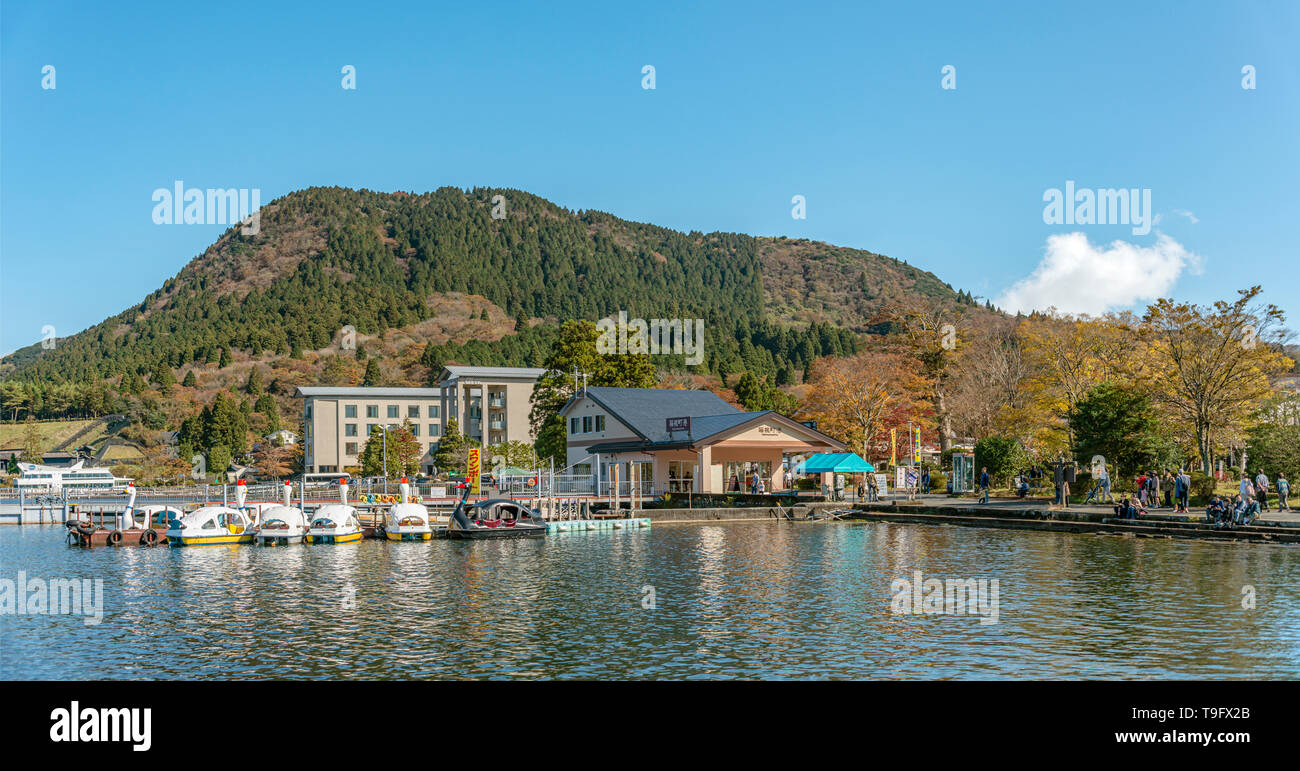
<point x="925" y="481"/>
<point x="1184" y="489"/>
<point x="1283" y="490"/>
<point x="1104" y="482"/>
<point x="1261" y="489"/>
<point x="984" y="485"/>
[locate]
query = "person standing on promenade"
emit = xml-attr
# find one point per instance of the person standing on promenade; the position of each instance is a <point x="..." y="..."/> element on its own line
<point x="1283" y="490"/>
<point x="984" y="485"/>
<point x="1141" y="483"/>
<point x="1168" y="484"/>
<point x="1261" y="489"/>
<point x="1104" y="481"/>
<point x="1184" y="489"/>
<point x="925" y="481"/>
<point x="1247" y="490"/>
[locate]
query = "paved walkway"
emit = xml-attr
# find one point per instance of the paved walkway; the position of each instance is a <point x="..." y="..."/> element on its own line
<point x="1016" y="504"/>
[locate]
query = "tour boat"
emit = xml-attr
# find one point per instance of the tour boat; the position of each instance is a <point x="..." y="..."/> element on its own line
<point x="496" y="518"/>
<point x="282" y="524"/>
<point x="214" y="525"/>
<point x="335" y="522"/>
<point x="407" y="521"/>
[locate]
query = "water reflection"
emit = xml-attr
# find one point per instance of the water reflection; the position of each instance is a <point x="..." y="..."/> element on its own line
<point x="772" y="600"/>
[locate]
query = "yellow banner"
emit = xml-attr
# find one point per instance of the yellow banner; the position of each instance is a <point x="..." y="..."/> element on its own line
<point x="475" y="471"/>
<point x="916" y="452"/>
<point x="893" y="446"/>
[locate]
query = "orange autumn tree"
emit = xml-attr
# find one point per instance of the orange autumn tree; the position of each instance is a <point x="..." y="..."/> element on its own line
<point x="857" y="399"/>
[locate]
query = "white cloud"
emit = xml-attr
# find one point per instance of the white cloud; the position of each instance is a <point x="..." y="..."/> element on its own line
<point x="1077" y="277"/>
<point x="1187" y="214"/>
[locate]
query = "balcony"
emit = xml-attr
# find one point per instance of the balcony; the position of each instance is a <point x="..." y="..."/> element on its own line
<point x="497" y="402"/>
<point x="497" y="425"/>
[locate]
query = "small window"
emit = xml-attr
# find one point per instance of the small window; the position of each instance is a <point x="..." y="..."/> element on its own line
<point x="435" y="411"/>
<point x="350" y="448"/>
<point x="349" y="429"/>
<point x="586" y="424"/>
<point x="600" y="422"/>
<point x="372" y="410"/>
<point x="307" y="412"/>
<point x="573" y="425"/>
<point x="211" y="524"/>
<point x="435" y="429"/>
<point x="413" y="411"/>
<point x="349" y="410"/>
<point x="392" y="410"/>
<point x="415" y="429"/>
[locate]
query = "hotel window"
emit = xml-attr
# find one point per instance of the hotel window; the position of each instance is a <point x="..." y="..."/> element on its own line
<point x="415" y="429"/>
<point x="372" y="410"/>
<point x="350" y="448"/>
<point x="435" y="429"/>
<point x="392" y="410"/>
<point x="435" y="411"/>
<point x="349" y="410"/>
<point x="586" y="424"/>
<point x="573" y="425"/>
<point x="600" y="422"/>
<point x="349" y="429"/>
<point x="413" y="411"/>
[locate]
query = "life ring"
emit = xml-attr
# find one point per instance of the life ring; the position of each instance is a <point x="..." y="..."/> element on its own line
<point x="115" y="538"/>
<point x="150" y="537"/>
<point x="86" y="529"/>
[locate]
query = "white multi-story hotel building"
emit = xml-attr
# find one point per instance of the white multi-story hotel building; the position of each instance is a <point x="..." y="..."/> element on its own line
<point x="490" y="404"/>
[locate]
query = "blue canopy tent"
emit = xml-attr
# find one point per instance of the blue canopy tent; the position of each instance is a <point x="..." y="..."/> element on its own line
<point x="834" y="462"/>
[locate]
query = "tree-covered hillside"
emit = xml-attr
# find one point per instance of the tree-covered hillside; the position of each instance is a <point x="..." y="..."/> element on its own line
<point x="326" y="258"/>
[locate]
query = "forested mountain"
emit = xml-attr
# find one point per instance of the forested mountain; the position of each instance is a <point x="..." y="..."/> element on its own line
<point x="385" y="263"/>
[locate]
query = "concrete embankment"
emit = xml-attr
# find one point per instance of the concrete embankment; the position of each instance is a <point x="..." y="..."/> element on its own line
<point x="1042" y="517"/>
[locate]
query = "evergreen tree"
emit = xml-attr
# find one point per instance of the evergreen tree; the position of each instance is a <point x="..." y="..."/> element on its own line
<point x="254" y="387"/>
<point x="372" y="376"/>
<point x="190" y="380"/>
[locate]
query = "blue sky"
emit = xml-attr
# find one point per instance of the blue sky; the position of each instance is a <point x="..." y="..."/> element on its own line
<point x="754" y="103"/>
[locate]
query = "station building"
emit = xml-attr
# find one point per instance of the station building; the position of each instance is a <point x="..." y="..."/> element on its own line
<point x="683" y="440"/>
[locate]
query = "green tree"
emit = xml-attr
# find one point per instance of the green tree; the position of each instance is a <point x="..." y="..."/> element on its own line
<point x="396" y="445"/>
<point x="226" y="359"/>
<point x="254" y="387"/>
<point x="575" y="349"/>
<point x="373" y="377"/>
<point x="451" y="448"/>
<point x="219" y="461"/>
<point x="33" y="445"/>
<point x="1002" y="456"/>
<point x="163" y="377"/>
<point x="190" y="380"/>
<point x="1118" y="424"/>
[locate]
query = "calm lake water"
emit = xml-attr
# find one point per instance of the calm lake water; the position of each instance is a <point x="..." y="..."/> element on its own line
<point x="744" y="600"/>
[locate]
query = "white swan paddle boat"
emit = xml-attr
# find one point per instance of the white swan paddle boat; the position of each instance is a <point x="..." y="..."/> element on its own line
<point x="336" y="522"/>
<point x="282" y="523"/>
<point x="407" y="521"/>
<point x="214" y="525"/>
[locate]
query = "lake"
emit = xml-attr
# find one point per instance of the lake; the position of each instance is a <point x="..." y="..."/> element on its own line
<point x="720" y="601"/>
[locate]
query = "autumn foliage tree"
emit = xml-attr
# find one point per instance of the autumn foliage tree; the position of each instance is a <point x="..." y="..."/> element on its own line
<point x="857" y="399"/>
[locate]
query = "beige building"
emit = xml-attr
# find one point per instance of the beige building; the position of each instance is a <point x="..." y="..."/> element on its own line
<point x="684" y="440"/>
<point x="490" y="404"/>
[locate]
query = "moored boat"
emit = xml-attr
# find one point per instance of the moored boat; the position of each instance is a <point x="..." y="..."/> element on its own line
<point x="282" y="523"/>
<point x="407" y="521"/>
<point x="214" y="525"/>
<point x="336" y="522"/>
<point x="495" y="518"/>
